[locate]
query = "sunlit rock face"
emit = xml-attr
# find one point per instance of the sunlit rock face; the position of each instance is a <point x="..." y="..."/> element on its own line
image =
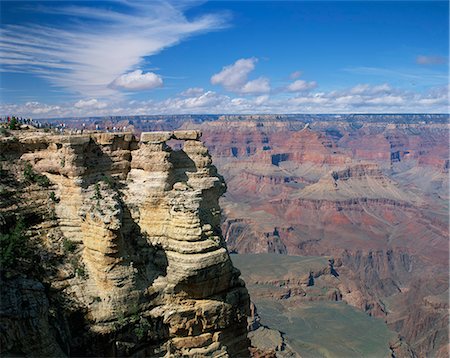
<point x="153" y="275"/>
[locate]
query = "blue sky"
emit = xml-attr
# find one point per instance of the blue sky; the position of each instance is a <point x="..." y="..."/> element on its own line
<point x="116" y="58"/>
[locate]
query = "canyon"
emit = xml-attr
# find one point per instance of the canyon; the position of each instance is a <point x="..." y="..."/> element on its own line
<point x="345" y="215"/>
<point x="370" y="193"/>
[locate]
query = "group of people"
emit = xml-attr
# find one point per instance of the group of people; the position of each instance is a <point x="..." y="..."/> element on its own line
<point x="112" y="129"/>
<point x="58" y="127"/>
<point x="24" y="121"/>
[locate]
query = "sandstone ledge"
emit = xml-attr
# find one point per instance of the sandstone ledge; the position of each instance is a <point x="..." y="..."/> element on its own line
<point x="145" y="220"/>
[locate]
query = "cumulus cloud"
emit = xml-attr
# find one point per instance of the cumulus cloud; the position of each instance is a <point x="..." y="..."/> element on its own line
<point x="234" y="78"/>
<point x="361" y="99"/>
<point x="98" y="44"/>
<point x="137" y="81"/>
<point x="260" y="85"/>
<point x="36" y="108"/>
<point x="430" y="60"/>
<point x="301" y="86"/>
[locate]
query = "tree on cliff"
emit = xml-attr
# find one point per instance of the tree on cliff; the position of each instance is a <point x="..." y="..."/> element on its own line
<point x="13" y="123"/>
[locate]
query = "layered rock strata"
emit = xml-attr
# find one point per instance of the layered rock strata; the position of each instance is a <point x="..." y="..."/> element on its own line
<point x="153" y="275"/>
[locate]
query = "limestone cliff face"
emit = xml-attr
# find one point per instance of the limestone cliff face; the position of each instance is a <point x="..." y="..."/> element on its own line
<point x="152" y="275"/>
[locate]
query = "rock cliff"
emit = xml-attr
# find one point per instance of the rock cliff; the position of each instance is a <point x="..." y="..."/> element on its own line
<point x="138" y="265"/>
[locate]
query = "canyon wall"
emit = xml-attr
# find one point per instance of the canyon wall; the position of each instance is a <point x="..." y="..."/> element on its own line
<point x="369" y="191"/>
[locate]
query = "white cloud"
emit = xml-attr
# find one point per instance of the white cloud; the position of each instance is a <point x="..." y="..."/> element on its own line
<point x="234" y="78"/>
<point x="370" y="99"/>
<point x="260" y="85"/>
<point x="137" y="80"/>
<point x="202" y="101"/>
<point x="368" y="89"/>
<point x="301" y="86"/>
<point x="260" y="100"/>
<point x="193" y="91"/>
<point x="385" y="101"/>
<point x="90" y="103"/>
<point x="96" y="44"/>
<point x="36" y="108"/>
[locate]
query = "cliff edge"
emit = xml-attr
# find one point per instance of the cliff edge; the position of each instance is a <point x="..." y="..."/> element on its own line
<point x="116" y="248"/>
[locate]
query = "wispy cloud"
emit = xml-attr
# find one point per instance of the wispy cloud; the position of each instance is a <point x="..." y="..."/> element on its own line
<point x="97" y="46"/>
<point x="423" y="76"/>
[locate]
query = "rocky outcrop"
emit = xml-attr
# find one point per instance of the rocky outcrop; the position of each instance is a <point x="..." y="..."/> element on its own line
<point x="145" y="264"/>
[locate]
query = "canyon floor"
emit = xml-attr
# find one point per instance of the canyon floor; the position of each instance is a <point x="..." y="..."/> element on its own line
<point x="314" y="321"/>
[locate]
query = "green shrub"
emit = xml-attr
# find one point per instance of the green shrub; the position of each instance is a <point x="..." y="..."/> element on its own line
<point x="78" y="267"/>
<point x="141" y="329"/>
<point x="69" y="246"/>
<point x="28" y="172"/>
<point x="80" y="271"/>
<point x="13" y="123"/>
<point x="108" y="181"/>
<point x="97" y="195"/>
<point x="13" y="245"/>
<point x="42" y="180"/>
<point x="52" y="197"/>
<point x="31" y="176"/>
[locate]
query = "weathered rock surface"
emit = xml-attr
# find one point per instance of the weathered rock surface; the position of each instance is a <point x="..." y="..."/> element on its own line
<point x="151" y="275"/>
